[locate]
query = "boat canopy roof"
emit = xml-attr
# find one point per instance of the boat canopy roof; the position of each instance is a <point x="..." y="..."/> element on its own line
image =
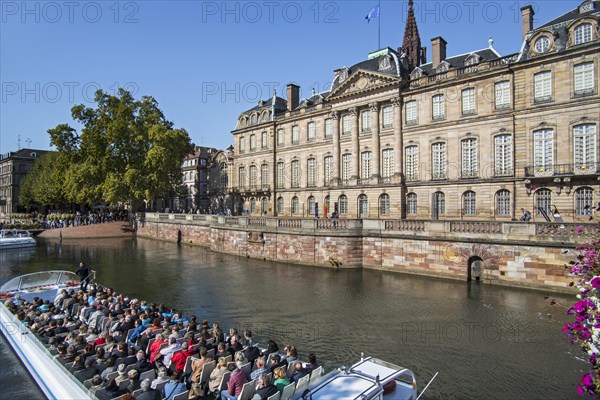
<point x="38" y="279"/>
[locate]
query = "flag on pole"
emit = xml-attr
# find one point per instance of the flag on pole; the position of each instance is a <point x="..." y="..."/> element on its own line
<point x="373" y="14"/>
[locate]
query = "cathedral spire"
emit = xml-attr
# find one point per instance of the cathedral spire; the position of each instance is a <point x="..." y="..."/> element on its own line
<point x="411" y="44"/>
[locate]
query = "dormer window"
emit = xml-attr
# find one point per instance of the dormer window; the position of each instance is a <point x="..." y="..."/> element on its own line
<point x="384" y="63"/>
<point x="583" y="33"/>
<point x="472" y="60"/>
<point x="586" y="7"/>
<point x="253" y="119"/>
<point x="542" y="44"/>
<point x="343" y="74"/>
<point x="416" y="74"/>
<point x="443" y="67"/>
<point x="33" y="155"/>
<point x="265" y="117"/>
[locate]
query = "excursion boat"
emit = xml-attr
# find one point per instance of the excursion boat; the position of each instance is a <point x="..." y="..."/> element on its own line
<point x="15" y="239"/>
<point x="53" y="378"/>
<point x="368" y="379"/>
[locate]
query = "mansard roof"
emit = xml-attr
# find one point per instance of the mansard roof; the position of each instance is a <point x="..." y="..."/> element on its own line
<point x="458" y="61"/>
<point x="574" y="14"/>
<point x="280" y="105"/>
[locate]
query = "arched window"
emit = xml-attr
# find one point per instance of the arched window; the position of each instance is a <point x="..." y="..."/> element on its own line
<point x="280" y="205"/>
<point x="384" y="204"/>
<point x="328" y="170"/>
<point x="295" y="205"/>
<point x="584" y="201"/>
<point x="252" y="205"/>
<point x="469" y="158"/>
<point x="326" y="207"/>
<point x="411" y="203"/>
<point x="223" y="175"/>
<point x="583" y="33"/>
<point x="343" y="204"/>
<point x="253" y="119"/>
<point x="503" y="203"/>
<point x="438" y="205"/>
<point x="543" y="202"/>
<point x="363" y="206"/>
<point x="366" y="158"/>
<point x="242" y="177"/>
<point x="264" y="207"/>
<point x="252" y="142"/>
<point x="469" y="203"/>
<point x="311" y="205"/>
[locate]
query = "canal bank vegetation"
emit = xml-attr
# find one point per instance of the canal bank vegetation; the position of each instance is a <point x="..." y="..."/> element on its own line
<point x="584" y="332"/>
<point x="126" y="152"/>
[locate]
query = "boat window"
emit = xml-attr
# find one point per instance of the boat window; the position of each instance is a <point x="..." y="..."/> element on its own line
<point x="40" y="279"/>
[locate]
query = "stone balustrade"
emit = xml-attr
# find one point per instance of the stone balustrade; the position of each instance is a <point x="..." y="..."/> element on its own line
<point x="471" y="231"/>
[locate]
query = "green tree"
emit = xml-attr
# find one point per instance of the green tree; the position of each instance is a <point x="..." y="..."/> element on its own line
<point x="43" y="185"/>
<point x="127" y="151"/>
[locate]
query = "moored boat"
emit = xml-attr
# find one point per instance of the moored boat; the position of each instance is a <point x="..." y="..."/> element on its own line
<point x="15" y="238"/>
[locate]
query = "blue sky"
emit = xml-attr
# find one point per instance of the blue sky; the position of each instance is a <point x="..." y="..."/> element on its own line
<point x="207" y="61"/>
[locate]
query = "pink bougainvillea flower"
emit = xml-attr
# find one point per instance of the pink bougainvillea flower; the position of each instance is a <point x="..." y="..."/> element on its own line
<point x="595" y="282"/>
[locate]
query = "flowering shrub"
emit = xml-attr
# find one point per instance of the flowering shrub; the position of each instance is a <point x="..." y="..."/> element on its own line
<point x="585" y="330"/>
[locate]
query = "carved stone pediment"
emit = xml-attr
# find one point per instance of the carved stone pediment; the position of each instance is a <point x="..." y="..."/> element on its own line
<point x="362" y="82"/>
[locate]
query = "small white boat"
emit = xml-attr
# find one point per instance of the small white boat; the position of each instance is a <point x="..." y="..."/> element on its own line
<point x="368" y="379"/>
<point x="15" y="238"/>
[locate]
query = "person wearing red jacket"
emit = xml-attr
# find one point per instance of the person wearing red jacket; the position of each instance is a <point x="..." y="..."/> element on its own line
<point x="154" y="349"/>
<point x="179" y="358"/>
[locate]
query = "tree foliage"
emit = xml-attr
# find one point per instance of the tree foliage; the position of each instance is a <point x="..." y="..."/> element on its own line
<point x="127" y="151"/>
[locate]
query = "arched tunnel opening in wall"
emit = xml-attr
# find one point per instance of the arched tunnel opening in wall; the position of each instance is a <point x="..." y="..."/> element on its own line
<point x="474" y="268"/>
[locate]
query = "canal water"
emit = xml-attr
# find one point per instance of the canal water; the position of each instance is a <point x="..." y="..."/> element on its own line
<point x="486" y="342"/>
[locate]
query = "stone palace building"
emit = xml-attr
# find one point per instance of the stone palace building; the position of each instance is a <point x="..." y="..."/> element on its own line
<point x="475" y="136"/>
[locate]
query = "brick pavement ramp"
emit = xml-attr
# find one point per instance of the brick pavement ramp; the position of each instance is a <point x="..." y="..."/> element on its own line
<point x="107" y="230"/>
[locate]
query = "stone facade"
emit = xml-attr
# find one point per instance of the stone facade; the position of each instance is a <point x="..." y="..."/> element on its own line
<point x="476" y="136"/>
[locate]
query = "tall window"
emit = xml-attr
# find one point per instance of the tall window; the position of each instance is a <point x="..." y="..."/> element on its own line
<point x="384" y="204"/>
<point x="264" y="205"/>
<point x="252" y="205"/>
<point x="438" y="151"/>
<point x="280" y="137"/>
<point x="253" y="119"/>
<point x="311" y="172"/>
<point x="242" y="144"/>
<point x="346" y="165"/>
<point x="328" y="169"/>
<point x="253" y="175"/>
<point x="542" y="86"/>
<point x="363" y="206"/>
<point x="503" y="155"/>
<point x="584" y="78"/>
<point x="346" y="124"/>
<point x="264" y="175"/>
<point x="411" y="112"/>
<point x="223" y="175"/>
<point x="584" y="203"/>
<point x="388" y="163"/>
<point x="439" y="108"/>
<point x="583" y="33"/>
<point x="502" y="94"/>
<point x="411" y="203"/>
<point x="295" y="134"/>
<point x="343" y="203"/>
<point x="439" y="204"/>
<point x="311" y="131"/>
<point x="469" y="203"/>
<point x="469" y="158"/>
<point x="411" y="161"/>
<point x="365" y="118"/>
<point x="543" y="151"/>
<point x="468" y="101"/>
<point x="242" y="176"/>
<point x="295" y="205"/>
<point x="365" y="172"/>
<point x="252" y="142"/>
<point x="388" y="117"/>
<point x="264" y="140"/>
<point x="326" y="206"/>
<point x="328" y="128"/>
<point x="503" y="203"/>
<point x="543" y="201"/>
<point x="295" y="173"/>
<point x="280" y="175"/>
<point x="584" y="155"/>
<point x="280" y="205"/>
<point x="311" y="206"/>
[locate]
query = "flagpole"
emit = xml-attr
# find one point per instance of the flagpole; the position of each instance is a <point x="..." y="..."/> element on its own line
<point x="379" y="23"/>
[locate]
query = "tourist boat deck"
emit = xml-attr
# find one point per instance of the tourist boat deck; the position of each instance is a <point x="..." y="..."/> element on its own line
<point x="369" y="379"/>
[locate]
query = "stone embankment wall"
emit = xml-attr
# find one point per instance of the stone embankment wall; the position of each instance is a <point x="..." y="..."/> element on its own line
<point x="514" y="254"/>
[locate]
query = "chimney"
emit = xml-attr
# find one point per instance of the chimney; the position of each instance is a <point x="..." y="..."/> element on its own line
<point x="526" y="20"/>
<point x="438" y="50"/>
<point x="293" y="96"/>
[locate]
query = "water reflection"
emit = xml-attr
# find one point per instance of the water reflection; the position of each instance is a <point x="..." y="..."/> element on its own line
<point x="487" y="342"/>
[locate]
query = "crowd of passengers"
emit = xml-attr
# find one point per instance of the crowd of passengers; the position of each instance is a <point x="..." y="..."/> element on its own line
<point x="111" y="342"/>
